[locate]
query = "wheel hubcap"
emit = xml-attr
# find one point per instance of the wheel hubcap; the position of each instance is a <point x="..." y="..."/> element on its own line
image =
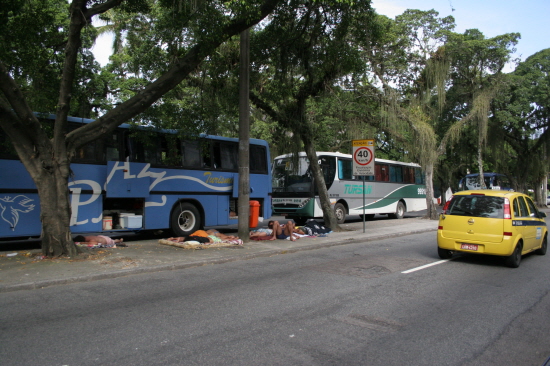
<point x="186" y="221"/>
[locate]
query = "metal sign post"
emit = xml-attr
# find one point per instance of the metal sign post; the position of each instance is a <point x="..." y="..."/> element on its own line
<point x="363" y="163"/>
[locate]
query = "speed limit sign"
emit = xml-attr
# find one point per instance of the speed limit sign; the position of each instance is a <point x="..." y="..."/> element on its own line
<point x="363" y="157"/>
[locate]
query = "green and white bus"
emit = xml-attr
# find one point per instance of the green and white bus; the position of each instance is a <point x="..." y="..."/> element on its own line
<point x="396" y="188"/>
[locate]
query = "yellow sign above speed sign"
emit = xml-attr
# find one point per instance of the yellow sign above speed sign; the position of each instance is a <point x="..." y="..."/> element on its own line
<point x="363" y="157"/>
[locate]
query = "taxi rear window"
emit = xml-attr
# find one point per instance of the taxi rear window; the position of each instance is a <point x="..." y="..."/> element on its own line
<point x="477" y="206"/>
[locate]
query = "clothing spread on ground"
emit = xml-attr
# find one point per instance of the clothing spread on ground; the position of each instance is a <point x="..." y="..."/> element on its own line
<point x="313" y="227"/>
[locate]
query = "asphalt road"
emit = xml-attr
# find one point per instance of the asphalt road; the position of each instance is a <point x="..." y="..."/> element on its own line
<point x="345" y="305"/>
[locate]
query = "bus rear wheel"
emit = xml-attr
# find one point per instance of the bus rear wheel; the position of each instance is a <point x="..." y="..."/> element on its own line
<point x="399" y="211"/>
<point x="185" y="219"/>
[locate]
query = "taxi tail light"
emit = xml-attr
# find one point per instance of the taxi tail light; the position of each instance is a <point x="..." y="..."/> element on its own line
<point x="446" y="207"/>
<point x="507" y="214"/>
<point x="507" y="233"/>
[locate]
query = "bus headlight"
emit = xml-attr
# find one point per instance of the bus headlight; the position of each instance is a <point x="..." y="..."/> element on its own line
<point x="304" y="202"/>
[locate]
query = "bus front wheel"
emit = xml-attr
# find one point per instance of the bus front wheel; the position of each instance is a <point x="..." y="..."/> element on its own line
<point x="340" y="212"/>
<point x="185" y="219"/>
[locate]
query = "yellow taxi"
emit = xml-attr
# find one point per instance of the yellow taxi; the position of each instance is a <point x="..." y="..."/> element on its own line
<point x="493" y="222"/>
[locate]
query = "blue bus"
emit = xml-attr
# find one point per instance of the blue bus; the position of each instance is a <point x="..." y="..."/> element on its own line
<point x="492" y="181"/>
<point x="139" y="179"/>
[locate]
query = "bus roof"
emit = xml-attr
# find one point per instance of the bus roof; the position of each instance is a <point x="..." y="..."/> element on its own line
<point x="126" y="125"/>
<point x="341" y="155"/>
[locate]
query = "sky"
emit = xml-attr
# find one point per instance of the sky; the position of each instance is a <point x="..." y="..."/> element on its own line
<point x="530" y="18"/>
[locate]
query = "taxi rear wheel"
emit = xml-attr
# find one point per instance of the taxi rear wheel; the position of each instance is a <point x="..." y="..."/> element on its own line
<point x="543" y="247"/>
<point x="444" y="253"/>
<point x="514" y="260"/>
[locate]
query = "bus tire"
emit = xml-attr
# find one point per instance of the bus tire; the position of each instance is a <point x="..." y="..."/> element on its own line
<point x="185" y="219"/>
<point x="340" y="212"/>
<point x="399" y="211"/>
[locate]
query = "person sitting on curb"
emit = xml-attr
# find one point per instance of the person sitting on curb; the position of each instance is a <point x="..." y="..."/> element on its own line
<point x="283" y="231"/>
<point x="101" y="240"/>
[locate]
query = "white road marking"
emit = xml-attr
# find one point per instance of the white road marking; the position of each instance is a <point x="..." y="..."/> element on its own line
<point x="425" y="266"/>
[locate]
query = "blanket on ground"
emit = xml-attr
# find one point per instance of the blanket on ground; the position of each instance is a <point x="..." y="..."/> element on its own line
<point x="258" y="238"/>
<point x="197" y="245"/>
<point x="313" y="227"/>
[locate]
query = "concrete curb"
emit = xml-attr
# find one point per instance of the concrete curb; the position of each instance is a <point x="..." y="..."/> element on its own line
<point x="180" y="265"/>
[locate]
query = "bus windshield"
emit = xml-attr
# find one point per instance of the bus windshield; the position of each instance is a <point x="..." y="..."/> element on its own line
<point x="299" y="179"/>
<point x="289" y="178"/>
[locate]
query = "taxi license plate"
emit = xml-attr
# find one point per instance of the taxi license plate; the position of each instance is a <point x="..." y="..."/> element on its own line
<point x="469" y="247"/>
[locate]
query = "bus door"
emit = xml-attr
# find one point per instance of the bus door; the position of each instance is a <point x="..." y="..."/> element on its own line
<point x="126" y="189"/>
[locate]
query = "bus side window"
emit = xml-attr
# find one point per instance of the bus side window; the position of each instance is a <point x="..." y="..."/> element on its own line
<point x="258" y="159"/>
<point x="345" y="169"/>
<point x="143" y="147"/>
<point x="112" y="147"/>
<point x="328" y="166"/>
<point x="226" y="155"/>
<point x="190" y="154"/>
<point x="206" y="153"/>
<point x="409" y="175"/>
<point x="396" y="174"/>
<point x="95" y="152"/>
<point x="382" y="173"/>
<point x="419" y="177"/>
<point x="170" y="150"/>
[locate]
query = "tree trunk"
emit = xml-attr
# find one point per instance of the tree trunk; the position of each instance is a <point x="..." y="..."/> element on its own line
<point x="540" y="199"/>
<point x="480" y="165"/>
<point x="432" y="209"/>
<point x="328" y="213"/>
<point x="55" y="212"/>
<point x="244" y="139"/>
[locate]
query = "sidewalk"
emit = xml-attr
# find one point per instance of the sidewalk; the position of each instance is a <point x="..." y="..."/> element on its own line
<point x="23" y="270"/>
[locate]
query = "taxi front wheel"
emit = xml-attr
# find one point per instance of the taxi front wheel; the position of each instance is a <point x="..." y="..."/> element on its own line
<point x="514" y="260"/>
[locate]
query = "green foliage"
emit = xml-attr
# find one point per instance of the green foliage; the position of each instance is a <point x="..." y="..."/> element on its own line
<point x="520" y="123"/>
